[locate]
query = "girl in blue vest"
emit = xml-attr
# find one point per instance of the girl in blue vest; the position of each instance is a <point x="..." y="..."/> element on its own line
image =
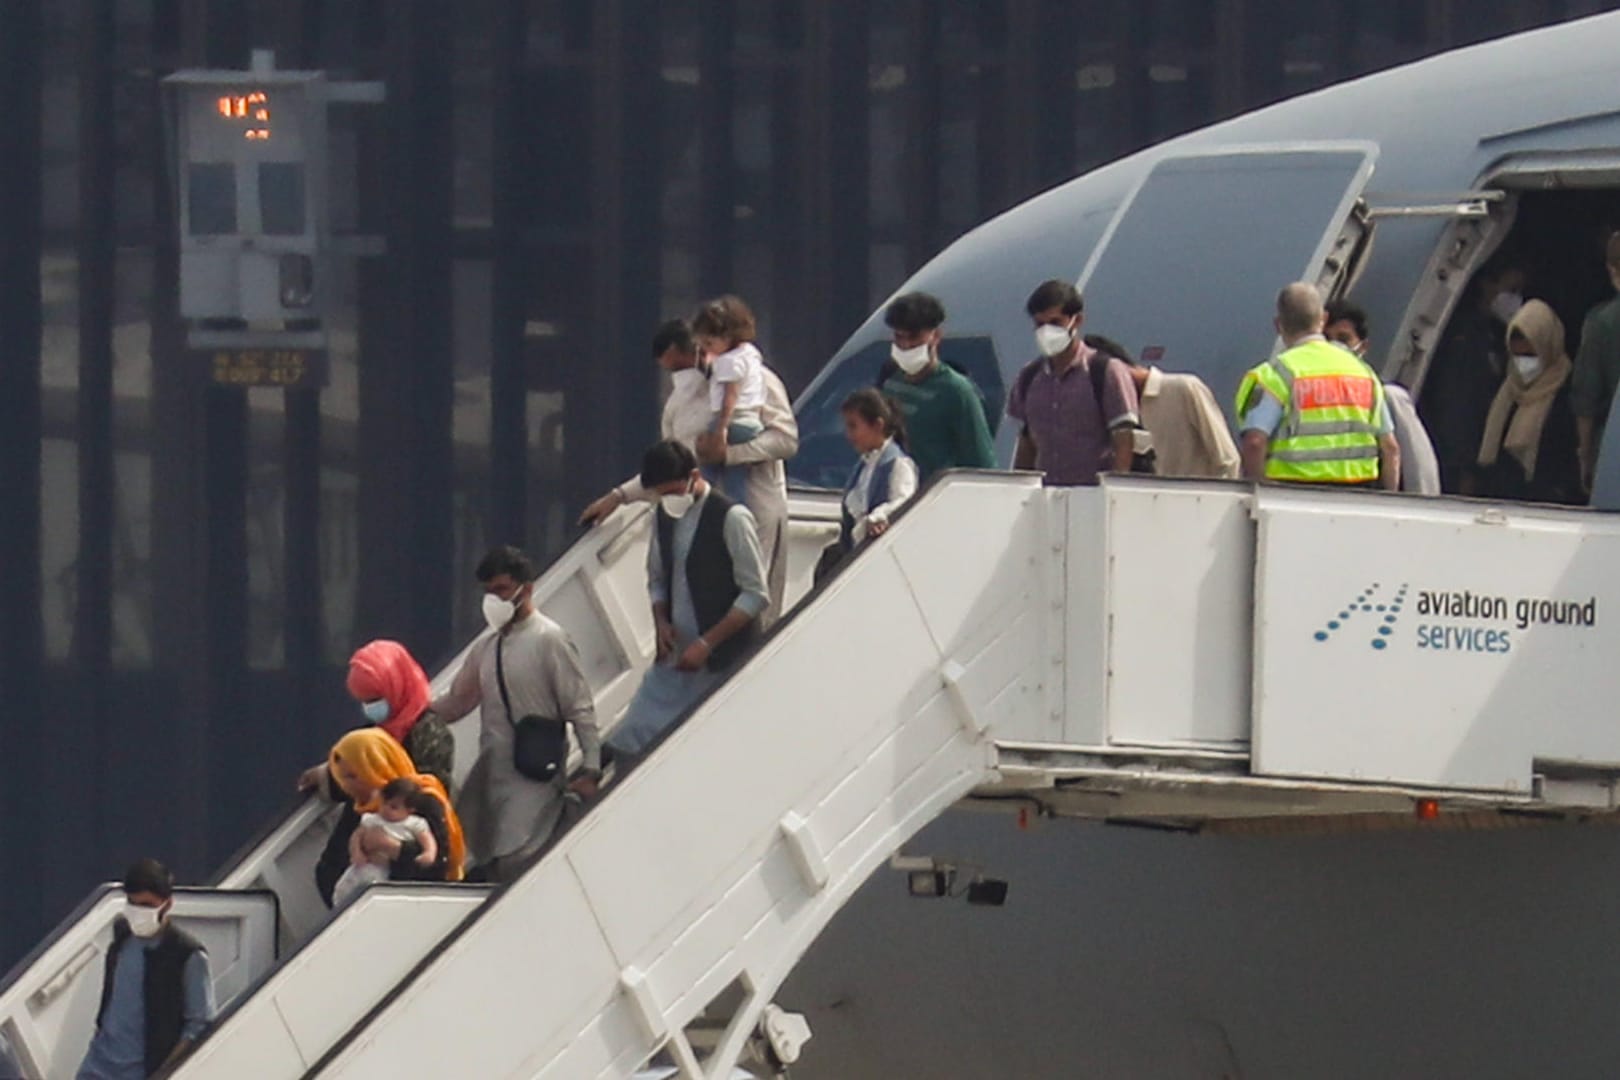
<point x="882" y="480"/>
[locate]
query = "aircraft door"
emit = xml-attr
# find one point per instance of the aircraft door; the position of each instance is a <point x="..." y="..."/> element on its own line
<point x="1188" y="273"/>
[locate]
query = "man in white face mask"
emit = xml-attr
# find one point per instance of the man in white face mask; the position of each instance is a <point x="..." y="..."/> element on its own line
<point x="944" y="420"/>
<point x="527" y="668"/>
<point x="706" y="581"/>
<point x="1077" y="407"/>
<point x="687" y="418"/>
<point x="158" y="996"/>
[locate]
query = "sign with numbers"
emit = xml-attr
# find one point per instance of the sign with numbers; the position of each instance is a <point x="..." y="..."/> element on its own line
<point x="283" y="368"/>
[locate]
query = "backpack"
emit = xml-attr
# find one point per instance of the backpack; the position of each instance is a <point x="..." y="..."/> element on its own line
<point x="1142" y="461"/>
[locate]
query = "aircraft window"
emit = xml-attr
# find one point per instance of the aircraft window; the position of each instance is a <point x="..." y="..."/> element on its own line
<point x="1150" y="285"/>
<point x="825" y="458"/>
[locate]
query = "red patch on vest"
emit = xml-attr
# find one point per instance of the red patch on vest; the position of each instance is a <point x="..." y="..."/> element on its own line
<point x="1332" y="391"/>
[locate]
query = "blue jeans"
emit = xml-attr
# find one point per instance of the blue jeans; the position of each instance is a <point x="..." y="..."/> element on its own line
<point x="733" y="483"/>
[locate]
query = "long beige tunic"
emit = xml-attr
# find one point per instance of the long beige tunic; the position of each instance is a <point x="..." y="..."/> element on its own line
<point x="502" y="811"/>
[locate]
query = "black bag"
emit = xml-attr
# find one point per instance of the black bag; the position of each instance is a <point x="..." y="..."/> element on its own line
<point x="539" y="743"/>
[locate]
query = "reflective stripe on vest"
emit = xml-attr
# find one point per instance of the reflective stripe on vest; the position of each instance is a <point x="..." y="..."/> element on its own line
<point x="1329" y="433"/>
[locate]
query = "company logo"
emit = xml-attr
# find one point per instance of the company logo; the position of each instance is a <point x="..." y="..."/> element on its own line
<point x="1374" y="612"/>
<point x="1473" y="622"/>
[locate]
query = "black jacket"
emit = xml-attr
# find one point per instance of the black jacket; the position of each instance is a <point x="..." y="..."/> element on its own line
<point x="165" y="988"/>
<point x="709" y="574"/>
<point x="1558" y="470"/>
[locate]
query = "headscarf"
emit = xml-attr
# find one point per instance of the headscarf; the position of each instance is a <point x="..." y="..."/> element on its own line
<point x="377" y="758"/>
<point x="385" y="670"/>
<point x="1520" y="408"/>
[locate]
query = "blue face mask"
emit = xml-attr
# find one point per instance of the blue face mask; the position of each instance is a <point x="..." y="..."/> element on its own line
<point x="376" y="711"/>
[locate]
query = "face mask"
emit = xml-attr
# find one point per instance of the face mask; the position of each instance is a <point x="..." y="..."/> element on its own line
<point x="498" y="612"/>
<point x="686" y="380"/>
<point x="911" y="361"/>
<point x="1528" y="366"/>
<point x="1505" y="305"/>
<point x="376" y="711"/>
<point x="1052" y="340"/>
<point x="144" y="922"/>
<point x="676" y="506"/>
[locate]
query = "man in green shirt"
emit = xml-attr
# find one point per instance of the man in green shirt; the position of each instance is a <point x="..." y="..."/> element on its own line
<point x="945" y="424"/>
<point x="1597" y="370"/>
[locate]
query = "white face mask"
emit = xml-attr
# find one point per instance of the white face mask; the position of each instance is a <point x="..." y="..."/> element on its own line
<point x="676" y="506"/>
<point x="911" y="361"/>
<point x="1053" y="340"/>
<point x="1528" y="365"/>
<point x="498" y="612"/>
<point x="686" y="380"/>
<point x="144" y="922"/>
<point x="1505" y="305"/>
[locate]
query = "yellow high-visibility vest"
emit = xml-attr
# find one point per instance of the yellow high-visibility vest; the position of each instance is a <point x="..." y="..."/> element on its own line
<point x="1332" y="405"/>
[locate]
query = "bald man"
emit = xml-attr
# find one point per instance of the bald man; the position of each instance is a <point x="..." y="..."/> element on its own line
<point x="1315" y="413"/>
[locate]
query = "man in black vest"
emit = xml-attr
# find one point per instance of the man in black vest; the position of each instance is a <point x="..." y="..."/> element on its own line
<point x="706" y="579"/>
<point x="157" y="996"/>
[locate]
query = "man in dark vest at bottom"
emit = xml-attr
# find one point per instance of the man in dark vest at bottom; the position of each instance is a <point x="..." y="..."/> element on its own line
<point x="157" y="996"/>
<point x="706" y="580"/>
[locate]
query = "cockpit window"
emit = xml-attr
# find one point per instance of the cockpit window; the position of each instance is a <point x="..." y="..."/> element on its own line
<point x="825" y="458"/>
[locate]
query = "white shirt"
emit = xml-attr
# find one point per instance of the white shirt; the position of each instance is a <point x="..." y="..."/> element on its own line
<point x="409" y="827"/>
<point x="1420" y="469"/>
<point x="902" y="486"/>
<point x="744" y="366"/>
<point x="686" y="416"/>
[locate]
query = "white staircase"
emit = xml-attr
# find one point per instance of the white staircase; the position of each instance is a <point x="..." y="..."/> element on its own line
<point x="1183" y="653"/>
<point x="705" y="874"/>
<point x="597" y="590"/>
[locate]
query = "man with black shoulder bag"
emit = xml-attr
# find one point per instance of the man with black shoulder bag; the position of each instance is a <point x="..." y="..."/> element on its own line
<point x="526" y="682"/>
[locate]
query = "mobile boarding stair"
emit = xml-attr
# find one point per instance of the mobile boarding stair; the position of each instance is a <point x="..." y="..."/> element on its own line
<point x="1176" y="653"/>
<point x="268" y="933"/>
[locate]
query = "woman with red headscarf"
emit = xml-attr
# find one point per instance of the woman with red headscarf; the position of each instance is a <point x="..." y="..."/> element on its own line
<point x="393" y="694"/>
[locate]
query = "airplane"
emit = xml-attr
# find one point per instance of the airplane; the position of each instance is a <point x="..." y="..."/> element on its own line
<point x="1277" y="859"/>
<point x="1341" y="954"/>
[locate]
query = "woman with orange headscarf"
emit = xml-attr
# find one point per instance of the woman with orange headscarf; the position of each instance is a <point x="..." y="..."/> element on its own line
<point x="393" y="693"/>
<point x="362" y="763"/>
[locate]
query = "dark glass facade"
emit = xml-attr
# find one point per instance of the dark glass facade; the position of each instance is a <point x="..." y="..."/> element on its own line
<point x="185" y="569"/>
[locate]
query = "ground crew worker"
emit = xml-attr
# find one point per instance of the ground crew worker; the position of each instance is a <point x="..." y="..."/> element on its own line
<point x="1315" y="413"/>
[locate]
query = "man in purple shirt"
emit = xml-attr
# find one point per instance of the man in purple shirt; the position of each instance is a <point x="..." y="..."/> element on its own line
<point x="1076" y="422"/>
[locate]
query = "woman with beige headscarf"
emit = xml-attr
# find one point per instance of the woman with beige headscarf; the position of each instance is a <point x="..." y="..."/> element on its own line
<point x="1528" y="450"/>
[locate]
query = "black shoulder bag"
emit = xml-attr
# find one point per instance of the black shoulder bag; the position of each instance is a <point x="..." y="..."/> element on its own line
<point x="539" y="743"/>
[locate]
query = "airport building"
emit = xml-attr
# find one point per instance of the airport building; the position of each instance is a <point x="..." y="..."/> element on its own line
<point x="189" y="561"/>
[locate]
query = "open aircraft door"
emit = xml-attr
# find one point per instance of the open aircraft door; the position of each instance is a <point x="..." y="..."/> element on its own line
<point x="1187" y="273"/>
